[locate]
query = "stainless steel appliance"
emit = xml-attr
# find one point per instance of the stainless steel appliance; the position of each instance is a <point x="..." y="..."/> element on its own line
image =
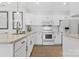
<point x="48" y="37"/>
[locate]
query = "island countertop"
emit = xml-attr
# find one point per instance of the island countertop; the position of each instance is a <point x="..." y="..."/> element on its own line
<point x="74" y="35"/>
<point x="12" y="38"/>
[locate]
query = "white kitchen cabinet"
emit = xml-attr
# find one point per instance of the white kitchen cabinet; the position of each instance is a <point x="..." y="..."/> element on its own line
<point x="70" y="46"/>
<point x="34" y="38"/>
<point x="15" y="49"/>
<point x="20" y="43"/>
<point x="21" y="52"/>
<point x="58" y="39"/>
<point x="20" y="48"/>
<point x="38" y="40"/>
<point x="29" y="46"/>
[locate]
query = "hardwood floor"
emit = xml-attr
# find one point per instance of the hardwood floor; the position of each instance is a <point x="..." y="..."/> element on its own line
<point x="47" y="51"/>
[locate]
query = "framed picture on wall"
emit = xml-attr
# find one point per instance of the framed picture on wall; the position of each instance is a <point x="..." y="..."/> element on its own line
<point x="3" y="19"/>
<point x="17" y="18"/>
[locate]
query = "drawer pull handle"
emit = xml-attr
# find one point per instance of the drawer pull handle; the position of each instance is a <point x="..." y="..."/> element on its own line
<point x="22" y="42"/>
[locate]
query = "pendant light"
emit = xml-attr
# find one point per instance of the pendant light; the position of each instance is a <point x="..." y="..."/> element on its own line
<point x="17" y="8"/>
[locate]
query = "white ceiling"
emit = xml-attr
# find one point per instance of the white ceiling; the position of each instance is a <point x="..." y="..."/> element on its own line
<point x="40" y="8"/>
<point x="47" y="7"/>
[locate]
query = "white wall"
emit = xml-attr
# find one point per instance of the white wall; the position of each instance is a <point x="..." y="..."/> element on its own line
<point x="72" y="23"/>
<point x="74" y="8"/>
<point x="10" y="8"/>
<point x="9" y="18"/>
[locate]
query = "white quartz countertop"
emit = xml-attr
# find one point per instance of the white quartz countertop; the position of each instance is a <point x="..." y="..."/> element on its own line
<point x="74" y="35"/>
<point x="12" y="38"/>
<point x="70" y="45"/>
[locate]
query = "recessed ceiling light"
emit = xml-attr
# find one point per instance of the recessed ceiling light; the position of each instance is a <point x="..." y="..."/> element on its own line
<point x="8" y="2"/>
<point x="37" y="3"/>
<point x="64" y="3"/>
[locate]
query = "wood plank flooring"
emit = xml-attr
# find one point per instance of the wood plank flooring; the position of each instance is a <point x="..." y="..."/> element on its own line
<point x="47" y="51"/>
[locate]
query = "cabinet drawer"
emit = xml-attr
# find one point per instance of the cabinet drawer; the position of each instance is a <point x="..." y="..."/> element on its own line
<point x="19" y="44"/>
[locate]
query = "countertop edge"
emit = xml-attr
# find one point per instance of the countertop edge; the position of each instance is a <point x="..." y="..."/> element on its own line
<point x="13" y="42"/>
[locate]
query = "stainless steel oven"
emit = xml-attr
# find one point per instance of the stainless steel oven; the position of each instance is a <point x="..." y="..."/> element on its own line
<point x="48" y="38"/>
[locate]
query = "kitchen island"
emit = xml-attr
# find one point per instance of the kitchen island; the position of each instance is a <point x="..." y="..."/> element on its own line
<point x="70" y="45"/>
<point x="12" y="45"/>
<point x="74" y="35"/>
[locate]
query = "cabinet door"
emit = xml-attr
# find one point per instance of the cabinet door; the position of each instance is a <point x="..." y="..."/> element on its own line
<point x="19" y="44"/>
<point x="34" y="37"/>
<point x="20" y="48"/>
<point x="38" y="40"/>
<point x="29" y="46"/>
<point x="70" y="46"/>
<point x="58" y="38"/>
<point x="21" y="52"/>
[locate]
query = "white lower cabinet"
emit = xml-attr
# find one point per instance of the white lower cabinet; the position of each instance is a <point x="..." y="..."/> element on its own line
<point x="21" y="52"/>
<point x="58" y="38"/>
<point x="20" y="48"/>
<point x="15" y="49"/>
<point x="38" y="39"/>
<point x="25" y="47"/>
<point x="29" y="45"/>
<point x="70" y="46"/>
